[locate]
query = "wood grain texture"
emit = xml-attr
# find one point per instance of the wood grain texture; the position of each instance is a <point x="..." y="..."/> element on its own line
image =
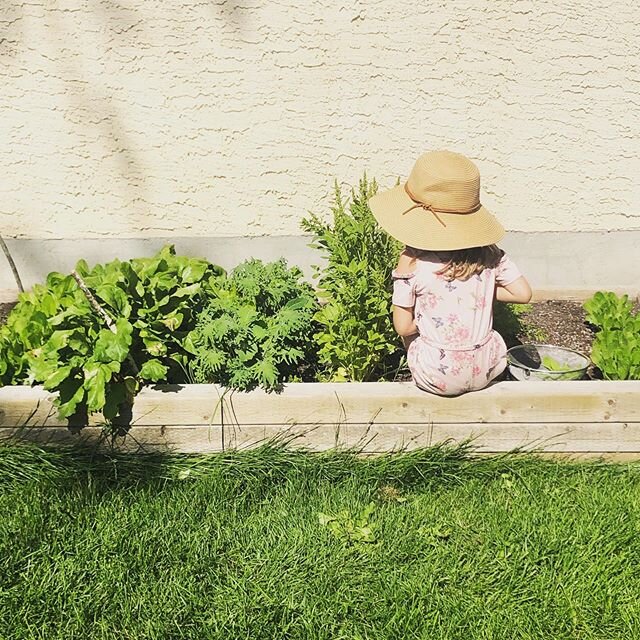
<point x="403" y="403"/>
<point x="487" y="438"/>
<point x="169" y="439"/>
<point x="565" y="417"/>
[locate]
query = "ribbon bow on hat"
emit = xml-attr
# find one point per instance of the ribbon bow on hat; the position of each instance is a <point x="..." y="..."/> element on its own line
<point x="430" y="207"/>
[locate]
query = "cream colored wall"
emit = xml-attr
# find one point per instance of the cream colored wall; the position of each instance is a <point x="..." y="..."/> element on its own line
<point x="136" y="118"/>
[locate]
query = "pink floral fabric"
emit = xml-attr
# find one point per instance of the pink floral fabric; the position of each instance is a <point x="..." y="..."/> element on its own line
<point x="456" y="349"/>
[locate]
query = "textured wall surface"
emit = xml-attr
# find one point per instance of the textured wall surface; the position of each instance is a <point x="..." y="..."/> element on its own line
<point x="135" y="118"/>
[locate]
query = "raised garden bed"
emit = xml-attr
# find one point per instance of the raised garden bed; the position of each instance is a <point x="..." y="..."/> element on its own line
<point x="583" y="418"/>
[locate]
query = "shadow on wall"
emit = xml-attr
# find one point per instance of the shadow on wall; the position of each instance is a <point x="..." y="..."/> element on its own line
<point x="11" y="29"/>
<point x="93" y="110"/>
<point x="230" y="11"/>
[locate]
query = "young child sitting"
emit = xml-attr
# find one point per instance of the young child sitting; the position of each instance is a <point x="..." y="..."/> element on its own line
<point x="449" y="274"/>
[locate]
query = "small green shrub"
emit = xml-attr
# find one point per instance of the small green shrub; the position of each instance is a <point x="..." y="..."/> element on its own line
<point x="257" y="330"/>
<point x="356" y="337"/>
<point x="55" y="337"/>
<point x="616" y="347"/>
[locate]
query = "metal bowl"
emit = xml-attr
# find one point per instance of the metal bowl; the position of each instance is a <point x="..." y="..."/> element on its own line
<point x="546" y="362"/>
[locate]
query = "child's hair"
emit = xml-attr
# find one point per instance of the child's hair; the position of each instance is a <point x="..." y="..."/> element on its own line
<point x="465" y="263"/>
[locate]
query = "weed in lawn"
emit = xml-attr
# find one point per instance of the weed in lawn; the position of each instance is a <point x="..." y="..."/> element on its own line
<point x="349" y="529"/>
<point x="389" y="493"/>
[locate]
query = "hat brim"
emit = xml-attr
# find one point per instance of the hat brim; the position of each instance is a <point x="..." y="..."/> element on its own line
<point x="423" y="229"/>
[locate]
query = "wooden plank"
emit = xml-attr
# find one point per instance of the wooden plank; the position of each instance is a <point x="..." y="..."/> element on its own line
<point x="354" y="403"/>
<point x="190" y="404"/>
<point x="182" y="439"/>
<point x="554" y="437"/>
<point x="579" y="438"/>
<point x="23" y="406"/>
<point x="154" y="406"/>
<point x="396" y="402"/>
<point x="494" y="437"/>
<point x="593" y="456"/>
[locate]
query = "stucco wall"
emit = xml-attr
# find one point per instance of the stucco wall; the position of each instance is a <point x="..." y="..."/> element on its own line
<point x="144" y="118"/>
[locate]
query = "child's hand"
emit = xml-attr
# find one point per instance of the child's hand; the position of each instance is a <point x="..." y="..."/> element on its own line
<point x="407" y="261"/>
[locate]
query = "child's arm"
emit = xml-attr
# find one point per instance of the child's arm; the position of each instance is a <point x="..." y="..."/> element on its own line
<point x="517" y="291"/>
<point x="403" y="320"/>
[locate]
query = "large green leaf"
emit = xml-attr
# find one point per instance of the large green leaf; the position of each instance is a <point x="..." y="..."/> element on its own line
<point x="116" y="298"/>
<point x="59" y="339"/>
<point x="114" y="346"/>
<point x="82" y="268"/>
<point x="42" y="368"/>
<point x="153" y="370"/>
<point x="172" y="321"/>
<point x="70" y="394"/>
<point x="115" y="395"/>
<point x="189" y="345"/>
<point x="187" y="291"/>
<point x="155" y="347"/>
<point x="194" y="271"/>
<point x="96" y="377"/>
<point x="57" y="377"/>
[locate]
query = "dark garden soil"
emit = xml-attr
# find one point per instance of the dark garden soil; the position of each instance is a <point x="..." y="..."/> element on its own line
<point x="558" y="322"/>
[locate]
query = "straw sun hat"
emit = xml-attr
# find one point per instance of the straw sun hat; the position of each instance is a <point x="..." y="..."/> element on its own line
<point x="438" y="208"/>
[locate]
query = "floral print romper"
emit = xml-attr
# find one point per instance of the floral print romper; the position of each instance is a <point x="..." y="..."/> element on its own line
<point x="456" y="349"/>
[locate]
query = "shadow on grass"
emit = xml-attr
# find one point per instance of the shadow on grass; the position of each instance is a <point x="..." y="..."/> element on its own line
<point x="269" y="465"/>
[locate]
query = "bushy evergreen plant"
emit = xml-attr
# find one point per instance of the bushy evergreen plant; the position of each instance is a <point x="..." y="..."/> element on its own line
<point x="356" y="336"/>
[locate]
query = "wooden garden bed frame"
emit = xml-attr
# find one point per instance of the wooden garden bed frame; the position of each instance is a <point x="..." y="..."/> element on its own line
<point x="582" y="419"/>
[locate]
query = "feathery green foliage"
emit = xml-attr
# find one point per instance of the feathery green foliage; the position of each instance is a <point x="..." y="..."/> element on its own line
<point x="257" y="330"/>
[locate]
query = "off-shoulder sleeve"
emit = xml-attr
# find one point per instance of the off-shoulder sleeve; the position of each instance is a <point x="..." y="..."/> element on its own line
<point x="506" y="271"/>
<point x="404" y="293"/>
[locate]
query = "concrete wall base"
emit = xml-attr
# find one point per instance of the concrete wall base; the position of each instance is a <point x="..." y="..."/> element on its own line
<point x="558" y="264"/>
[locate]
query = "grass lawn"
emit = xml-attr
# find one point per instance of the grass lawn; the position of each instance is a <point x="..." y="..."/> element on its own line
<point x="275" y="544"/>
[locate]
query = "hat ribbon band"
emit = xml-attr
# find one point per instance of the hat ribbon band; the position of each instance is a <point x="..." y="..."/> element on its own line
<point x="434" y="210"/>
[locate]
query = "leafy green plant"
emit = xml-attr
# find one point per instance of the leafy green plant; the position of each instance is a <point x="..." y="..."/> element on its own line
<point x="257" y="329"/>
<point x="616" y="347"/>
<point x="435" y="535"/>
<point x="356" y="337"/>
<point x="606" y="310"/>
<point x="96" y="347"/>
<point x="27" y="326"/>
<point x="616" y="352"/>
<point x="349" y="529"/>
